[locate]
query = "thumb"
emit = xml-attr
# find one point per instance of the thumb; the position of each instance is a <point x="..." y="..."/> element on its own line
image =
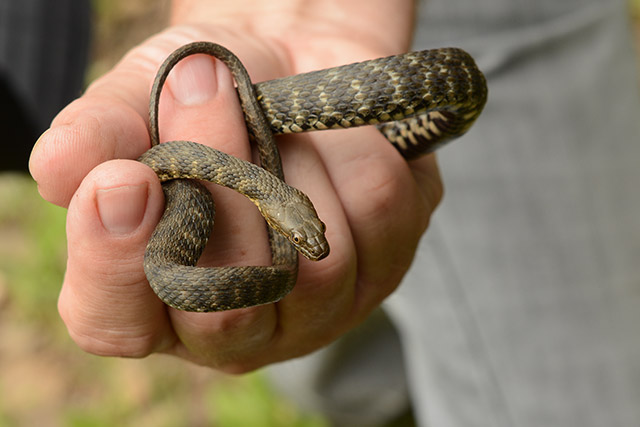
<point x="106" y="301"/>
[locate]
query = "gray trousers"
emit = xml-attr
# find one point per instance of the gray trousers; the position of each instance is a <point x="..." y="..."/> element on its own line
<point x="523" y="306"/>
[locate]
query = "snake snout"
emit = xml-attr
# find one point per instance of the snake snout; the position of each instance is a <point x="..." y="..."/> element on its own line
<point x="315" y="248"/>
<point x="299" y="222"/>
<point x="308" y="239"/>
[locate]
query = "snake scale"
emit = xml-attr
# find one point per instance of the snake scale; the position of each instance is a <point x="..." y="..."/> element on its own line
<point x="418" y="100"/>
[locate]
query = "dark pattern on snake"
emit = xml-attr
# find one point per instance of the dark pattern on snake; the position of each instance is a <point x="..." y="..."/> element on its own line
<point x="418" y="100"/>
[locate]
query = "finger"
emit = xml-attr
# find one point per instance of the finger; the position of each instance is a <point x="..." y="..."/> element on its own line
<point x="109" y="121"/>
<point x="317" y="310"/>
<point x="101" y="125"/>
<point x="383" y="204"/>
<point x="369" y="252"/>
<point x="90" y="131"/>
<point x="324" y="294"/>
<point x="106" y="302"/>
<point x="199" y="103"/>
<point x="427" y="176"/>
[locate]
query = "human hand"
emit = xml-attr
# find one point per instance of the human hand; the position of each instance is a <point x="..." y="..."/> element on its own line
<point x="375" y="204"/>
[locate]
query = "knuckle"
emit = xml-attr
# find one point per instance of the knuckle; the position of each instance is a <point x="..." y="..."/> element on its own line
<point x="382" y="187"/>
<point x="107" y="327"/>
<point x="106" y="341"/>
<point x="112" y="346"/>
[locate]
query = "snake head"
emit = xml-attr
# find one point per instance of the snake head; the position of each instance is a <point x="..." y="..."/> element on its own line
<point x="298" y="221"/>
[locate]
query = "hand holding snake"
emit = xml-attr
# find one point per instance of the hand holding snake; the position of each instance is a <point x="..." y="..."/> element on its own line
<point x="370" y="199"/>
<point x="419" y="100"/>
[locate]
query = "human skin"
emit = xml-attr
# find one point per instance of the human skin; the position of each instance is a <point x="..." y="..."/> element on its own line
<point x="374" y="203"/>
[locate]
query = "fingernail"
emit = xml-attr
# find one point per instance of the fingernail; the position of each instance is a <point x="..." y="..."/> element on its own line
<point x="193" y="81"/>
<point x="121" y="209"/>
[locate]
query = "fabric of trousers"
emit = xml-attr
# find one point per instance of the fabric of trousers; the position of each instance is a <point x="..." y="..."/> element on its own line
<point x="522" y="306"/>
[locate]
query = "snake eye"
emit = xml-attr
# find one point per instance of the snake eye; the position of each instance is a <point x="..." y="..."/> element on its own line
<point x="296" y="238"/>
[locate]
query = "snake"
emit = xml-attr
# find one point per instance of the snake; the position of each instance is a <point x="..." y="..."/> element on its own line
<point x="418" y="100"/>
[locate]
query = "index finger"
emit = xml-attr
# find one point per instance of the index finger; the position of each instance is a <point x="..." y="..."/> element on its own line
<point x="108" y="122"/>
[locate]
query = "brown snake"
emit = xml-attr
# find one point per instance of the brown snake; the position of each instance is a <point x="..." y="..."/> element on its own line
<point x="418" y="100"/>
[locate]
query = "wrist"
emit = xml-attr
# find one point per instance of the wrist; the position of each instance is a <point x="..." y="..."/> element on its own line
<point x="386" y="25"/>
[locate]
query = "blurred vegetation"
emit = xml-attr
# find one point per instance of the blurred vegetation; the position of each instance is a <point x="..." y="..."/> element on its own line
<point x="120" y="25"/>
<point x="45" y="379"/>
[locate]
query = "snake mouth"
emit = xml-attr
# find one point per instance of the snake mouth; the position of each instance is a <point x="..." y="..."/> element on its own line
<point x="315" y="250"/>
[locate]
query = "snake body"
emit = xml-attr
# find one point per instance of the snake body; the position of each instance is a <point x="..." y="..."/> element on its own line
<point x="418" y="100"/>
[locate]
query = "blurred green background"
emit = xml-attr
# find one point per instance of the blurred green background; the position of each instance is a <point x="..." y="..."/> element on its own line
<point x="45" y="380"/>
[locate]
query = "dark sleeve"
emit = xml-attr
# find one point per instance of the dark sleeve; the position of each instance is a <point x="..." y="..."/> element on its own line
<point x="44" y="48"/>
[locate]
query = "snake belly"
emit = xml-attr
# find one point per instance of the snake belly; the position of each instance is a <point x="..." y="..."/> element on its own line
<point x="419" y="101"/>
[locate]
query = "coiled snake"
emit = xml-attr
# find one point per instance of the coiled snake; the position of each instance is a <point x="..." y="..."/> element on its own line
<point x="418" y="100"/>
